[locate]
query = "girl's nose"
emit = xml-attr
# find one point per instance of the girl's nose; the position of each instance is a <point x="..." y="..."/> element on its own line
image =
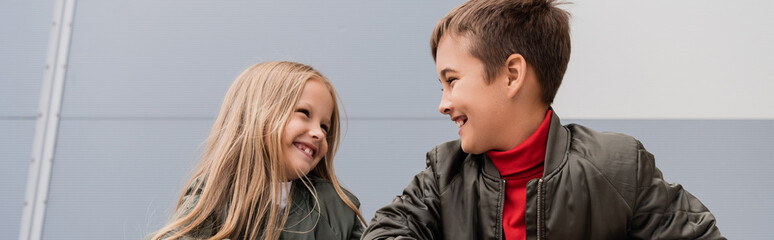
<point x="317" y="133"/>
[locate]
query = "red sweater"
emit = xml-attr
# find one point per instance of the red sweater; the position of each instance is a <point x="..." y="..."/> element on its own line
<point x="517" y="166"/>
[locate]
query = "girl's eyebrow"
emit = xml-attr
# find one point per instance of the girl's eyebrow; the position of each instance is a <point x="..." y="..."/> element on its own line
<point x="303" y="104"/>
<point x="327" y="121"/>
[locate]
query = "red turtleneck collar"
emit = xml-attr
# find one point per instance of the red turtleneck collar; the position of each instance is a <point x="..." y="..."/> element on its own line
<point x="524" y="159"/>
<point x="517" y="166"/>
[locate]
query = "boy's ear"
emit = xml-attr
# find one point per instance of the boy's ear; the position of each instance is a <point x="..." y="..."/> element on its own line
<point x="517" y="73"/>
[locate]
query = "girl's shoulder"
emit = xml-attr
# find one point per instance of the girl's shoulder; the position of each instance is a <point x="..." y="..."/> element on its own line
<point x="326" y="191"/>
<point x="326" y="217"/>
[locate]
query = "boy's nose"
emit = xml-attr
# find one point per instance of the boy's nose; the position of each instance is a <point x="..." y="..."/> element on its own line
<point x="444" y="107"/>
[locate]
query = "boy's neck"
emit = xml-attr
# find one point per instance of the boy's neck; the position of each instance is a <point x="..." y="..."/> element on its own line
<point x="525" y="123"/>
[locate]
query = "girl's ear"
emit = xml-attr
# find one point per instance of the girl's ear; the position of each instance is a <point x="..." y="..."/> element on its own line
<point x="516" y="74"/>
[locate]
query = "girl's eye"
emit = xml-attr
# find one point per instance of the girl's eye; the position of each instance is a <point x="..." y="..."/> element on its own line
<point x="303" y="111"/>
<point x="324" y="128"/>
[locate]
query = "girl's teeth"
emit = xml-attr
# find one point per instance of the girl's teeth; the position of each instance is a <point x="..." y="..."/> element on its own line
<point x="305" y="149"/>
<point x="459" y="123"/>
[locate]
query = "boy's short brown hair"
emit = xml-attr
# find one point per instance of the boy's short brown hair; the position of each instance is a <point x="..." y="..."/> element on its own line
<point x="536" y="29"/>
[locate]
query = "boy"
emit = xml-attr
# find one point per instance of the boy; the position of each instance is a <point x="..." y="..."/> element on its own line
<point x="516" y="172"/>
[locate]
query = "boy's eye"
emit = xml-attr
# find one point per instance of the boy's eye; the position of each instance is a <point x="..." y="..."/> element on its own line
<point x="449" y="81"/>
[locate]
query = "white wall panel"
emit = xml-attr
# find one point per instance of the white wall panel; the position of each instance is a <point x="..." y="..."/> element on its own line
<point x="670" y="60"/>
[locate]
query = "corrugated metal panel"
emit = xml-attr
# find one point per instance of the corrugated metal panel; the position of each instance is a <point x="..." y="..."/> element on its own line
<point x="119" y="179"/>
<point x="15" y="147"/>
<point x="379" y="157"/>
<point x="24" y="28"/>
<point x="156" y="58"/>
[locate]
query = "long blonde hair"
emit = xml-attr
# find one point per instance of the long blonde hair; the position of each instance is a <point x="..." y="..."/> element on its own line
<point x="242" y="163"/>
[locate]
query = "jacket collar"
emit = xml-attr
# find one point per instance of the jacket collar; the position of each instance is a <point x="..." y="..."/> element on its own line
<point x="303" y="200"/>
<point x="557" y="146"/>
<point x="556" y="150"/>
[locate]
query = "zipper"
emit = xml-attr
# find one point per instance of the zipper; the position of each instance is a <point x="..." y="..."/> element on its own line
<point x="540" y="212"/>
<point x="501" y="200"/>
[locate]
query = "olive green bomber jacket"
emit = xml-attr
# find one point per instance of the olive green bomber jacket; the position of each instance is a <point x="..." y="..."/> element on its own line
<point x="594" y="186"/>
<point x="331" y="219"/>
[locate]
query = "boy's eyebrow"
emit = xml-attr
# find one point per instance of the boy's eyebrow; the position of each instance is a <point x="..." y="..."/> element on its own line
<point x="446" y="70"/>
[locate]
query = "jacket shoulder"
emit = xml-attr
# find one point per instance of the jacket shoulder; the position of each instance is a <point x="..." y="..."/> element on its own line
<point x="336" y="220"/>
<point x="603" y="147"/>
<point x="445" y="151"/>
<point x="614" y="155"/>
<point x="447" y="161"/>
<point x="326" y="192"/>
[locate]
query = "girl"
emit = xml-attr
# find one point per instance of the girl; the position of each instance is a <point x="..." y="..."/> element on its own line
<point x="267" y="169"/>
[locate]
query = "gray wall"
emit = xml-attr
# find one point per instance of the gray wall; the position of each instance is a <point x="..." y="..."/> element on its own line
<point x="24" y="30"/>
<point x="145" y="80"/>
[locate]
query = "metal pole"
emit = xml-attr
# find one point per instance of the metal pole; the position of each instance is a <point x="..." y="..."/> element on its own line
<point x="47" y="121"/>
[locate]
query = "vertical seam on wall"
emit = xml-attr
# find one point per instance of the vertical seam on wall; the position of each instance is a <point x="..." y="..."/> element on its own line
<point x="47" y="125"/>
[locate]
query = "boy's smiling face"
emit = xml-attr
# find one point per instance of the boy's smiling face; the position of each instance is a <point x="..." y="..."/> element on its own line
<point x="478" y="107"/>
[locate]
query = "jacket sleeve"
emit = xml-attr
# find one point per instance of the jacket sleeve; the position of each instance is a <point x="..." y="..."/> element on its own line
<point x="357" y="226"/>
<point x="665" y="210"/>
<point x="412" y="215"/>
<point x="190" y="199"/>
<point x="357" y="230"/>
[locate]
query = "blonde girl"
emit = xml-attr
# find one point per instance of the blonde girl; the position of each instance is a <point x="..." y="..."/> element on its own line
<point x="267" y="169"/>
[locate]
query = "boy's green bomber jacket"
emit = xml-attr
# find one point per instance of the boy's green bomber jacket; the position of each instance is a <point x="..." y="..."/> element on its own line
<point x="594" y="186"/>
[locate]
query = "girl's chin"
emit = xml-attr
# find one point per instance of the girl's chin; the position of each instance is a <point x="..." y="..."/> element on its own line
<point x="293" y="175"/>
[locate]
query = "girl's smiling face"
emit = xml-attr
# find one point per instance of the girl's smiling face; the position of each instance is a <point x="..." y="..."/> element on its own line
<point x="304" y="141"/>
